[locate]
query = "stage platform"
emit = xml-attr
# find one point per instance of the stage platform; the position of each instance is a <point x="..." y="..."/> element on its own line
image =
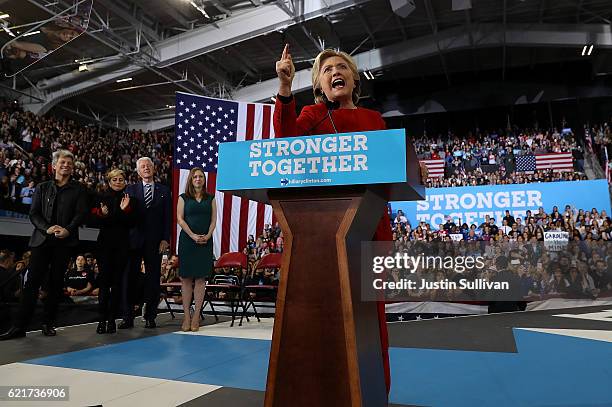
<point x="552" y="358"/>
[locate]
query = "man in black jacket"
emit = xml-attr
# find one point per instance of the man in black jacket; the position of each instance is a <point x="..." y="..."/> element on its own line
<point x="58" y="209"/>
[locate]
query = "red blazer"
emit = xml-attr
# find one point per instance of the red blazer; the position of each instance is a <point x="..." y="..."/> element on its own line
<point x="313" y="120"/>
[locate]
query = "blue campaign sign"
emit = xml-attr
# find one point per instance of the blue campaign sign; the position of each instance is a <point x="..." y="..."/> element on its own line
<point x="471" y="204"/>
<point x="370" y="157"/>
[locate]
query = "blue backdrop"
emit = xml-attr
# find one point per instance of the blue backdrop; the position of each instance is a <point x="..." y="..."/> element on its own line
<point x="471" y="204"/>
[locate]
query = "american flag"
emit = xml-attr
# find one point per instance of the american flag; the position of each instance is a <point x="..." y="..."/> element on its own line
<point x="434" y="167"/>
<point x="201" y="124"/>
<point x="552" y="161"/>
<point x="525" y="163"/>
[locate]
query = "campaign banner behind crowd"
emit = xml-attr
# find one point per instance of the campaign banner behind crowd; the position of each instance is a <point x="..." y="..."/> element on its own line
<point x="471" y="204"/>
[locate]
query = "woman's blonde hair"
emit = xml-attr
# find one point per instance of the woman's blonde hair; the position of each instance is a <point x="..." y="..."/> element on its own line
<point x="113" y="173"/>
<point x="319" y="96"/>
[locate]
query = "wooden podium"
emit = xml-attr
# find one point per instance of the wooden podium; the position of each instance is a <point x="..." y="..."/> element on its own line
<point x="326" y="347"/>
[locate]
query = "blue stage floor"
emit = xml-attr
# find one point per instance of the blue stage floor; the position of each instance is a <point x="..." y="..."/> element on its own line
<point x="552" y="367"/>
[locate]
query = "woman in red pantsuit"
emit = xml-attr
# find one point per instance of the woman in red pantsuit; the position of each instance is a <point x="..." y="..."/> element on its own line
<point x="335" y="84"/>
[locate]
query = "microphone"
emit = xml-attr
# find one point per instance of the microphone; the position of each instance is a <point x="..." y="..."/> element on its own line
<point x="331" y="105"/>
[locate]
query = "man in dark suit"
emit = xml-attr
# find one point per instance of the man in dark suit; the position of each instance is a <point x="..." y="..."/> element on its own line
<point x="148" y="241"/>
<point x="58" y="209"/>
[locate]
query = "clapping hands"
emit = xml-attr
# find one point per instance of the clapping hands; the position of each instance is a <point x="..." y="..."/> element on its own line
<point x="125" y="202"/>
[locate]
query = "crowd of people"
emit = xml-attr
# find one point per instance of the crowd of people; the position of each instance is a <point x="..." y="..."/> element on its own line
<point x="27" y="140"/>
<point x="579" y="265"/>
<point x="488" y="158"/>
<point x="599" y="138"/>
<point x="581" y="225"/>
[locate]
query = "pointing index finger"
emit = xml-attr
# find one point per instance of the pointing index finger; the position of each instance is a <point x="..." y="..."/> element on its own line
<point x="285" y="51"/>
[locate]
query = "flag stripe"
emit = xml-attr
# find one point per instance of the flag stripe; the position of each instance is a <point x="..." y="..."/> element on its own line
<point x="244" y="203"/>
<point x="555" y="161"/>
<point x="201" y="124"/>
<point x="179" y="178"/>
<point x="235" y="223"/>
<point x="219" y="200"/>
<point x="226" y="223"/>
<point x="435" y="167"/>
<point x="252" y="221"/>
<point x="175" y="231"/>
<point x="265" y="134"/>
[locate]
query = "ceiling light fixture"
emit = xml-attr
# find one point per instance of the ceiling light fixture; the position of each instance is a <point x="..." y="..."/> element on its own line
<point x="124" y="80"/>
<point x="31" y="33"/>
<point x="3" y="16"/>
<point x="199" y="7"/>
<point x="83" y="68"/>
<point x="8" y="31"/>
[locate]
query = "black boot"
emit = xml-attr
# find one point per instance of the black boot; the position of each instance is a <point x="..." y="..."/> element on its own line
<point x="48" y="330"/>
<point x="13" y="333"/>
<point x="111" y="327"/>
<point x="126" y="324"/>
<point x="101" y="329"/>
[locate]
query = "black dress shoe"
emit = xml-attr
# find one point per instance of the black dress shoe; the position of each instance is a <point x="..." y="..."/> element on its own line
<point x="101" y="329"/>
<point x="13" y="333"/>
<point x="126" y="324"/>
<point x="111" y="327"/>
<point x="150" y="324"/>
<point x="48" y="330"/>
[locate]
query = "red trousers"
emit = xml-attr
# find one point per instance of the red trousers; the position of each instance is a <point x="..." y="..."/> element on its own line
<point x="384" y="233"/>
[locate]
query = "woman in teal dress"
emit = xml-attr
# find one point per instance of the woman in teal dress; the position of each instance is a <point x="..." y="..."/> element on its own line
<point x="196" y="214"/>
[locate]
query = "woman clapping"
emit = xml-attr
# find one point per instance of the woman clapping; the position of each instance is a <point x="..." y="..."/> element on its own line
<point x="115" y="216"/>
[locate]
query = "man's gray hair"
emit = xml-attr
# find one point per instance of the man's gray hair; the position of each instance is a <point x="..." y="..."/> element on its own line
<point x="61" y="154"/>
<point x="144" y="159"/>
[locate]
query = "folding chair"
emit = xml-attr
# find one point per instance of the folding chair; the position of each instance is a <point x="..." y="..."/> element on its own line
<point x="169" y="290"/>
<point x="265" y="294"/>
<point x="230" y="284"/>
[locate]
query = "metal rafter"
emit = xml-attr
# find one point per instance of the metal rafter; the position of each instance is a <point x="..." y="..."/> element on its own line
<point x="318" y="43"/>
<point x="244" y="63"/>
<point x="115" y="8"/>
<point x="142" y="58"/>
<point x="293" y="41"/>
<point x="504" y="43"/>
<point x="434" y="28"/>
<point x="336" y="38"/>
<point x="400" y="25"/>
<point x="262" y="46"/>
<point x="578" y="6"/>
<point x="219" y="6"/>
<point x="594" y="16"/>
<point x="171" y="11"/>
<point x="468" y="25"/>
<point x="217" y="73"/>
<point x="486" y="35"/>
<point x="366" y="25"/>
